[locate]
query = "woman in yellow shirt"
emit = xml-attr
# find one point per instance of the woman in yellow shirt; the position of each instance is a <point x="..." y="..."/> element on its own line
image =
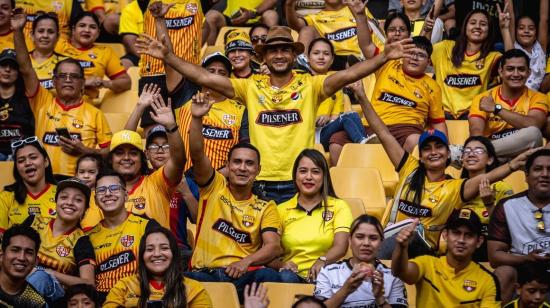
<point x="479" y="157"/>
<point x="96" y="60"/>
<point x="315" y="224"/>
<point x="160" y="279"/>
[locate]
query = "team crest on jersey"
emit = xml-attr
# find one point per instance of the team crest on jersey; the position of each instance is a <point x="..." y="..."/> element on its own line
<point x="229" y="119"/>
<point x="57" y="6"/>
<point x="127" y="240"/>
<point x="469" y="285"/>
<point x="277" y="98"/>
<point x="480" y="64"/>
<point x="327" y="215"/>
<point x="5" y="112"/>
<point x="191" y="8"/>
<point x="139" y="203"/>
<point x="248" y="221"/>
<point x="77" y="123"/>
<point x="92" y="55"/>
<point x="417" y="93"/>
<point x="62" y="251"/>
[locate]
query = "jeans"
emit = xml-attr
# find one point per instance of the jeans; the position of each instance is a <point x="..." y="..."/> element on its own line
<point x="278" y="191"/>
<point x="290" y="277"/>
<point x="349" y="122"/>
<point x="46" y="284"/>
<point x="218" y="275"/>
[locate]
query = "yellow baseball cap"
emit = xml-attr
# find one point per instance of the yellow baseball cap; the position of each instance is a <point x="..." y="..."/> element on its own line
<point x="126" y="137"/>
<point x="238" y="40"/>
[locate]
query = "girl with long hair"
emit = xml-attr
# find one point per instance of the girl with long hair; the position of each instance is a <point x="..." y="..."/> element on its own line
<point x="479" y="157"/>
<point x="424" y="191"/>
<point x="160" y="277"/>
<point x="34" y="188"/>
<point x="315" y="223"/>
<point x="363" y="279"/>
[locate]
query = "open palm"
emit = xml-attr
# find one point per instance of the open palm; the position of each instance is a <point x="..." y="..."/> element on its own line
<point x="146" y="44"/>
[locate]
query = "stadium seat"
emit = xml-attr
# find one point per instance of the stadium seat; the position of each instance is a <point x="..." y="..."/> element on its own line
<point x="362" y="183"/>
<point x="119" y="102"/>
<point x="356" y="206"/>
<point x="285" y="294"/>
<point x="222" y="294"/>
<point x="116" y="120"/>
<point x="370" y="156"/>
<point x="133" y="72"/>
<point x="517" y="181"/>
<point x="117" y="48"/>
<point x="6" y="170"/>
<point x="458" y="131"/>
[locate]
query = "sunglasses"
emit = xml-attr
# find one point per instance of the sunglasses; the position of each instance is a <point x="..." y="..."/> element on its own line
<point x="49" y="14"/>
<point x="257" y="38"/>
<point x="21" y="142"/>
<point x="540" y="221"/>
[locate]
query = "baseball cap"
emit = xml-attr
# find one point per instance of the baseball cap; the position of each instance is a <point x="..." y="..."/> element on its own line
<point x="238" y="40"/>
<point x="74" y="183"/>
<point x="126" y="137"/>
<point x="217" y="56"/>
<point x="465" y="217"/>
<point x="432" y="134"/>
<point x="156" y="131"/>
<point x="8" y="55"/>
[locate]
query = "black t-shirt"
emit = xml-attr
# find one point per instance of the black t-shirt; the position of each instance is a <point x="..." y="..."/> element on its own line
<point x="27" y="298"/>
<point x="16" y="120"/>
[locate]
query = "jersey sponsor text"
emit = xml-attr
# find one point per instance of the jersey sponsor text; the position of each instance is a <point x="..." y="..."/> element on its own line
<point x="227" y="228"/>
<point x="279" y="118"/>
<point x="463" y="81"/>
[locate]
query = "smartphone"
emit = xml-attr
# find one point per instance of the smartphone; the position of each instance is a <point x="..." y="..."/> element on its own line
<point x="63" y="131"/>
<point x="237" y="14"/>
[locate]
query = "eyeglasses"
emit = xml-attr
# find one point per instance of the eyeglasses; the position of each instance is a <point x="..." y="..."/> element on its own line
<point x="19" y="143"/>
<point x="418" y="55"/>
<point x="50" y="14"/>
<point x="68" y="76"/>
<point x="393" y="30"/>
<point x="540" y="221"/>
<point x="475" y="151"/>
<point x="257" y="38"/>
<point x="113" y="189"/>
<point x="156" y="148"/>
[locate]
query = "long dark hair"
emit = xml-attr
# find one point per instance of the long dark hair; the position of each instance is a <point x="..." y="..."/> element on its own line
<point x="174" y="294"/>
<point x="19" y="188"/>
<point x="367" y="219"/>
<point x="461" y="42"/>
<point x="490" y="152"/>
<point x="319" y="161"/>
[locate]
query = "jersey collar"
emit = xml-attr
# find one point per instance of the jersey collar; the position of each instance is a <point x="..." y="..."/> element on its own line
<point x="39" y="194"/>
<point x="136" y="185"/>
<point x="157" y="285"/>
<point x="510" y="102"/>
<point x="50" y="225"/>
<point x="67" y="108"/>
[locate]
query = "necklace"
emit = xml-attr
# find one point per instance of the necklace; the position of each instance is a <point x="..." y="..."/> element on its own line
<point x="431" y="196"/>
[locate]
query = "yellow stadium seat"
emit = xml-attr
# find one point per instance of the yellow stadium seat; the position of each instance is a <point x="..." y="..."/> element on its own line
<point x="117" y="120"/>
<point x="285" y="294"/>
<point x="362" y="183"/>
<point x="356" y="206"/>
<point x="517" y="181"/>
<point x="222" y="294"/>
<point x="6" y="170"/>
<point x="458" y="131"/>
<point x="371" y="156"/>
<point x="117" y="48"/>
<point x="119" y="102"/>
<point x="133" y="72"/>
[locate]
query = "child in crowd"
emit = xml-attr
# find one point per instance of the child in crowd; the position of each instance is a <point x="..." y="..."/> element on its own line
<point x="88" y="166"/>
<point x="533" y="285"/>
<point x="81" y="296"/>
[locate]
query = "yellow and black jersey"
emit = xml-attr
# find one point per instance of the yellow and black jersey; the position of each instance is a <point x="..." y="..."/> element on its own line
<point x="64" y="253"/>
<point x="65" y="10"/>
<point x="27" y="297"/>
<point x="11" y="212"/>
<point x="44" y="70"/>
<point x="116" y="250"/>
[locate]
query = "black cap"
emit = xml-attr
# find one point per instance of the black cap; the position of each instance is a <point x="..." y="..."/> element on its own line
<point x="217" y="56"/>
<point x="8" y="55"/>
<point x="156" y="131"/>
<point x="75" y="183"/>
<point x="465" y="217"/>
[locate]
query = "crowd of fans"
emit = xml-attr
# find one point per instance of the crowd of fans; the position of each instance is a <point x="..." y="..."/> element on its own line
<point x="222" y="138"/>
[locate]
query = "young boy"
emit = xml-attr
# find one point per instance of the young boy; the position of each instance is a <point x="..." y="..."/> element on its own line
<point x="533" y="284"/>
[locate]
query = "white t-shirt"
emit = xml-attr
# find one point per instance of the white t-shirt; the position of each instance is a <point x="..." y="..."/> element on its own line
<point x="332" y="278"/>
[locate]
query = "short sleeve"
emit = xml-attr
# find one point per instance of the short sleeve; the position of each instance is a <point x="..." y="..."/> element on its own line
<point x="342" y="217"/>
<point x="217" y="182"/>
<point x="397" y="295"/>
<point x="338" y="103"/>
<point x="113" y="67"/>
<point x="407" y="165"/>
<point x="498" y="225"/>
<point x="381" y="72"/>
<point x="270" y="219"/>
<point x="4" y="210"/>
<point x="318" y="84"/>
<point x="117" y="296"/>
<point x="308" y="19"/>
<point x="103" y="133"/>
<point x="129" y="21"/>
<point x="436" y="113"/>
<point x="84" y="251"/>
<point x="422" y="263"/>
<point x="197" y="297"/>
<point x="323" y="288"/>
<point x="502" y="190"/>
<point x="539" y="102"/>
<point x="240" y="86"/>
<point x="326" y="107"/>
<point x="475" y="111"/>
<point x="491" y="295"/>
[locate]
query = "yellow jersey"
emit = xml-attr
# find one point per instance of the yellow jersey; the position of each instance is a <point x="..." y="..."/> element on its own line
<point x="229" y="230"/>
<point x="438" y="200"/>
<point x="92" y="216"/>
<point x="495" y="127"/>
<point x="306" y="236"/>
<point x="131" y="19"/>
<point x="44" y="70"/>
<point x="97" y="61"/>
<point x="64" y="253"/>
<point x="438" y="285"/>
<point x="116" y="250"/>
<point x="42" y="204"/>
<point x="221" y="130"/>
<point x="281" y="120"/>
<point x="6" y="41"/>
<point x="332" y="106"/>
<point x="340" y="28"/>
<point x="402" y="99"/>
<point x="515" y="304"/>
<point x="460" y="85"/>
<point x="234" y="6"/>
<point x="65" y="9"/>
<point x="84" y="122"/>
<point x="127" y="291"/>
<point x="110" y="6"/>
<point x="501" y="189"/>
<point x="184" y="23"/>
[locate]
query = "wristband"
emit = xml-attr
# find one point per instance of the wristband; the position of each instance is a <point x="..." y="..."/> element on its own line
<point x="172" y="130"/>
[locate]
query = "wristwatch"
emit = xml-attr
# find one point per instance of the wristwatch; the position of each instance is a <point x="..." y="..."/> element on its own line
<point x="323" y="258"/>
<point x="498" y="108"/>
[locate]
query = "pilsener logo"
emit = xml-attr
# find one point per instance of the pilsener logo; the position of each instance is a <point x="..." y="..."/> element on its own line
<point x="396" y="99"/>
<point x="52" y="138"/>
<point x="226" y="228"/>
<point x="463" y="81"/>
<point x="86" y="64"/>
<point x="342" y="34"/>
<point x="179" y="23"/>
<point x="279" y="118"/>
<point x="117" y="261"/>
<point x="216" y="133"/>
